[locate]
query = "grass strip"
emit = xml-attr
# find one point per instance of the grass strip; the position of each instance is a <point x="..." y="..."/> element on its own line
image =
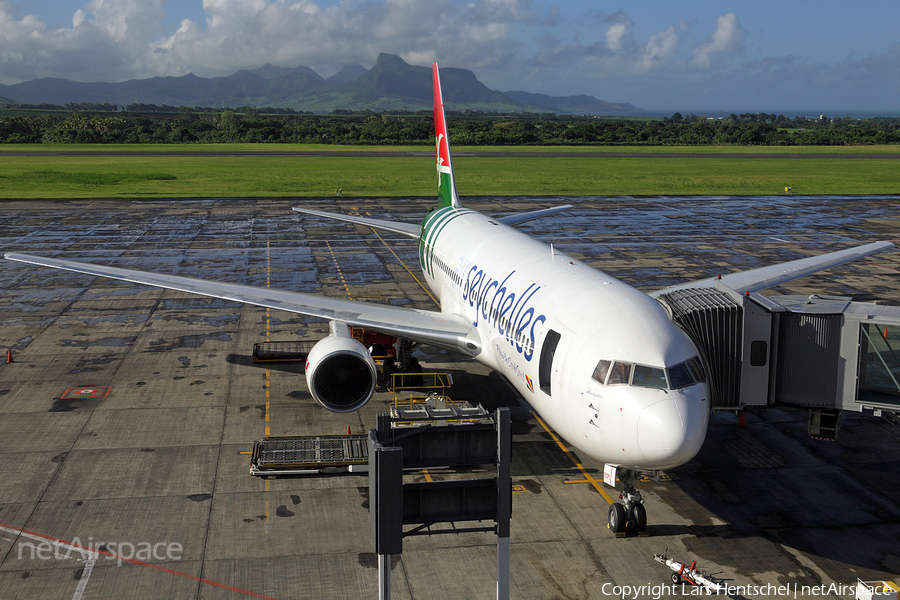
<point x="428" y="148"/>
<point x="267" y="176"/>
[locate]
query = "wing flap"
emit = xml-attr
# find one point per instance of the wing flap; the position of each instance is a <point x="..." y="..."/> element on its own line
<point x="443" y="330"/>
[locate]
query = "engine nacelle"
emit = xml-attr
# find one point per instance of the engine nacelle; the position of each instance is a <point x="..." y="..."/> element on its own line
<point x="340" y="372"/>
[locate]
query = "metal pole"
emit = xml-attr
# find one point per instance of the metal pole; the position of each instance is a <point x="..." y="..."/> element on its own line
<point x="502" y="568"/>
<point x="384" y="577"/>
<point x="504" y="500"/>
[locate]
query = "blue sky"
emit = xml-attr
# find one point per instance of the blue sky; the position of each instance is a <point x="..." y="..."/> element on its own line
<point x="823" y="56"/>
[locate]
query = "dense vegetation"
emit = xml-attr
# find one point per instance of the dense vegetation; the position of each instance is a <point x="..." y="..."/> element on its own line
<point x="163" y="124"/>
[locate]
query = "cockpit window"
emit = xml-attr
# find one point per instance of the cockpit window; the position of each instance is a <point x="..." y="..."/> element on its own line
<point x="621" y="373"/>
<point x="624" y="373"/>
<point x="652" y="377"/>
<point x="697" y="369"/>
<point x="601" y="371"/>
<point x="680" y="376"/>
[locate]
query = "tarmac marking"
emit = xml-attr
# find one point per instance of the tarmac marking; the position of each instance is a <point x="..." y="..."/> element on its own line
<point x="882" y="266"/>
<point x="268" y="330"/>
<point x="89" y="561"/>
<point x="80" y="392"/>
<point x="85" y="576"/>
<point x="338" y="267"/>
<point x="427" y="291"/>
<point x="587" y="476"/>
<point x="403" y="264"/>
<point x="81" y="549"/>
<point x="268" y="371"/>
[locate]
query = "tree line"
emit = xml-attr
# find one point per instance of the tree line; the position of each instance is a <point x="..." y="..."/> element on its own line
<point x="252" y="125"/>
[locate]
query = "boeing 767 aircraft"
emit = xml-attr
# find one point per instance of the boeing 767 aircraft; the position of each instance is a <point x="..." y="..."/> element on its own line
<point x="600" y="361"/>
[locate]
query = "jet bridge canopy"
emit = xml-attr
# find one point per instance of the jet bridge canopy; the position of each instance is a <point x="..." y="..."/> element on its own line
<point x="816" y="352"/>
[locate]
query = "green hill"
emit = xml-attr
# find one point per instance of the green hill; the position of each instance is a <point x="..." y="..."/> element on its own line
<point x="390" y="85"/>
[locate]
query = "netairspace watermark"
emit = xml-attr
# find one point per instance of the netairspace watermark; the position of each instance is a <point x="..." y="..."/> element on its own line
<point x="118" y="551"/>
<point x="657" y="591"/>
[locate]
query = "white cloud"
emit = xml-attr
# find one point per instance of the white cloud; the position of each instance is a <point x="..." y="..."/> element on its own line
<point x="727" y="38"/>
<point x="618" y="37"/>
<point x="510" y="44"/>
<point x="122" y="39"/>
<point x="660" y="49"/>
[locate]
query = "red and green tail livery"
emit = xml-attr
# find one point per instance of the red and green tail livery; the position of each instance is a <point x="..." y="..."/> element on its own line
<point x="446" y="184"/>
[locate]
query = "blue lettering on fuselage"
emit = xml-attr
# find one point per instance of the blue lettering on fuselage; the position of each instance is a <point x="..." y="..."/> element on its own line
<point x="500" y="307"/>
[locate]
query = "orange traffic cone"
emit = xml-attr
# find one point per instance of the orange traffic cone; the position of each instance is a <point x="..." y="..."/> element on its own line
<point x="348" y="430"/>
<point x="741" y="421"/>
<point x="9" y="357"/>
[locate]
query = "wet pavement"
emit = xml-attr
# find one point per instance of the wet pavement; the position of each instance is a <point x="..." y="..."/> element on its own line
<point x="128" y="413"/>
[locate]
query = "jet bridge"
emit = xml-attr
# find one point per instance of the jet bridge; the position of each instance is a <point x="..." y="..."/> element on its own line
<point x="823" y="353"/>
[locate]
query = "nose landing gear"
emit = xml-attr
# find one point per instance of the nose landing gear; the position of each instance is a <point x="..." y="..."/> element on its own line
<point x="629" y="514"/>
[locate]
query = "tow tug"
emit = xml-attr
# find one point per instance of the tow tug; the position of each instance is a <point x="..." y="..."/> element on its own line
<point x="690" y="574"/>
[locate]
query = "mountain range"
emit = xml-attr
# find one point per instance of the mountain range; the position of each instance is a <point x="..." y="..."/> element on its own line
<point x="391" y="84"/>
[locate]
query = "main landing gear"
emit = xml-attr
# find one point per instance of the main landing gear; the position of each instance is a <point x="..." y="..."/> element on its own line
<point x="630" y="513"/>
<point x="405" y="363"/>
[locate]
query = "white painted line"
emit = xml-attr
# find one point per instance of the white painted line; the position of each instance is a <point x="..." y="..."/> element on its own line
<point x="89" y="556"/>
<point x="85" y="575"/>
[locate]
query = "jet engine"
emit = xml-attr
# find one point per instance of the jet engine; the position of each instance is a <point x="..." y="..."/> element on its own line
<point x="340" y="372"/>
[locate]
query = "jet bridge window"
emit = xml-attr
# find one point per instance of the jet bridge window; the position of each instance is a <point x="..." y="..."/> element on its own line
<point x="878" y="379"/>
<point x="652" y="377"/>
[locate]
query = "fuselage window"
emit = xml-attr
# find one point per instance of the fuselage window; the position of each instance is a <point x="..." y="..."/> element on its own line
<point x="545" y="370"/>
<point x="680" y="376"/>
<point x="652" y="377"/>
<point x="620" y="373"/>
<point x="601" y="371"/>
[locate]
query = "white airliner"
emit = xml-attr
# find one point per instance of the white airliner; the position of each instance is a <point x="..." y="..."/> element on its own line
<point x="600" y="361"/>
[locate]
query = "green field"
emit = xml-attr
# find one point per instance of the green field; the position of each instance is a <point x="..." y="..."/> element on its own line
<point x="260" y="176"/>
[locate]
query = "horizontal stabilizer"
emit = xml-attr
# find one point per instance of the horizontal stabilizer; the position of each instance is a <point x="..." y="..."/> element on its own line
<point x="408" y="229"/>
<point x="516" y="219"/>
<point x="766" y="277"/>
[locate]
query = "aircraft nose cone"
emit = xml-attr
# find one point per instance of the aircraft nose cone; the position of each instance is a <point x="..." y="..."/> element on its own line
<point x="671" y="431"/>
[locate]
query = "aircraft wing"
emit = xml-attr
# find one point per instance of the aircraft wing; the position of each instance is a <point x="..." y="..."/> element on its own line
<point x="408" y="229"/>
<point x="512" y="220"/>
<point x="443" y="330"/>
<point x="766" y="277"/>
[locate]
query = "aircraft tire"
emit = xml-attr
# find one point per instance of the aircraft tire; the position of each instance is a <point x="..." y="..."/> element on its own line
<point x="617" y="517"/>
<point x="640" y="517"/>
<point x="388" y="368"/>
<point x="415" y="367"/>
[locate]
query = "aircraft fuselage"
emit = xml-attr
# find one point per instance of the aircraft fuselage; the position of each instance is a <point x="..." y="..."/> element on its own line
<point x="546" y="321"/>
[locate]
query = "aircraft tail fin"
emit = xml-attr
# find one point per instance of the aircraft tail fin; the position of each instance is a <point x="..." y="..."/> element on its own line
<point x="446" y="182"/>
